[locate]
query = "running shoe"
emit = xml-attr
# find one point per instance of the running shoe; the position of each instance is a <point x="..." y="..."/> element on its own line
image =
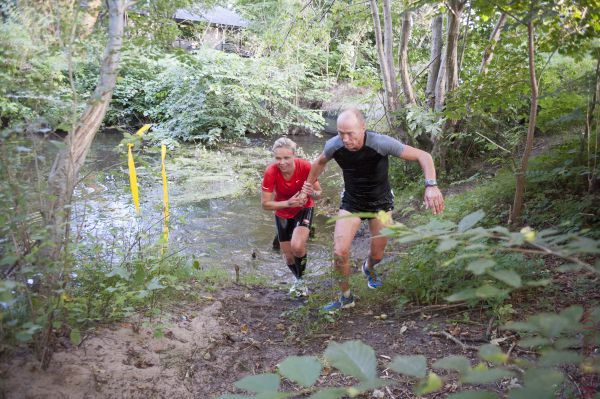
<point x="299" y="288"/>
<point x="341" y="303"/>
<point x="373" y="280"/>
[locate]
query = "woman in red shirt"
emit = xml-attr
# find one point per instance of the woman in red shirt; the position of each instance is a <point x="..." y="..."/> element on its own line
<point x="282" y="193"/>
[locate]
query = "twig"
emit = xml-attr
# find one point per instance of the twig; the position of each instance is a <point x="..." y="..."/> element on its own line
<point x="452" y="338"/>
<point x="488" y="331"/>
<point x="389" y="391"/>
<point x="431" y="308"/>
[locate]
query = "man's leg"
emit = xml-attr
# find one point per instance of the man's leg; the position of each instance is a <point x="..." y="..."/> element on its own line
<point x="345" y="230"/>
<point x="378" y="243"/>
<point x="376" y="251"/>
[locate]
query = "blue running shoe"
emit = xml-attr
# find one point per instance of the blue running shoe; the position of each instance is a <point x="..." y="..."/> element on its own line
<point x="373" y="280"/>
<point x="341" y="303"/>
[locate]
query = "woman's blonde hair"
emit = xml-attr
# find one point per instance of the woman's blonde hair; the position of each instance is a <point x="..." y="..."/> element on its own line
<point x="284" y="142"/>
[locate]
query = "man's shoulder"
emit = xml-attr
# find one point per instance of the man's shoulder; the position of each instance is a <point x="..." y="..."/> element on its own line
<point x="383" y="144"/>
<point x="332" y="145"/>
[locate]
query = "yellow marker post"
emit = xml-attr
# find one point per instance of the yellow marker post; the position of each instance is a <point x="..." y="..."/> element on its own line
<point x="163" y="153"/>
<point x="133" y="180"/>
<point x="132" y="174"/>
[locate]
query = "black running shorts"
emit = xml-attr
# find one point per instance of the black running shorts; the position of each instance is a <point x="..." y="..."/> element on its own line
<point x="285" y="227"/>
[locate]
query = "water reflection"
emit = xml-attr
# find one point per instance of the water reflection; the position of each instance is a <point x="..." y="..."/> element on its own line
<point x="221" y="232"/>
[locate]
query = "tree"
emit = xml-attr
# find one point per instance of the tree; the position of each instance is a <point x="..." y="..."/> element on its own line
<point x="409" y="95"/>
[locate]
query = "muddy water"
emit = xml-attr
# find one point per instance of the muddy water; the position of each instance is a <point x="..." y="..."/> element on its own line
<point x="210" y="220"/>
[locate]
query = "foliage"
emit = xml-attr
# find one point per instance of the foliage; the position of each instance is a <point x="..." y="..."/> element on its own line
<point x="551" y="335"/>
<point x="211" y="96"/>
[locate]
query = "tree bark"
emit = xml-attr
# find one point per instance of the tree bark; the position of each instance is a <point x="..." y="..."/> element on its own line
<point x="409" y="95"/>
<point x="64" y="173"/>
<point x="592" y="148"/>
<point x="440" y="84"/>
<point x="434" y="59"/>
<point x="520" y="173"/>
<point x="455" y="11"/>
<point x="383" y="65"/>
<point x="488" y="53"/>
<point x="388" y="47"/>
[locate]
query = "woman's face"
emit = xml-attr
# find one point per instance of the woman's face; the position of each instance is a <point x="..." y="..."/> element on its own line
<point x="284" y="157"/>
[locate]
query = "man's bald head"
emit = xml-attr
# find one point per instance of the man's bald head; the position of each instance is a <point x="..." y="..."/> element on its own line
<point x="351" y="128"/>
<point x="352" y="115"/>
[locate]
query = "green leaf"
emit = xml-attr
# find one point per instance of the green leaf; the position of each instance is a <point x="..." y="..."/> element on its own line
<point x="492" y="353"/>
<point x="447" y="245"/>
<point x="566" y="343"/>
<point x="489" y="291"/>
<point x="470" y="220"/>
<point x="303" y="370"/>
<point x="259" y="383"/>
<point x="573" y="313"/>
<point x="485" y="375"/>
<point x="353" y="358"/>
<point x="431" y="384"/>
<point x="154" y="284"/>
<point x="119" y="271"/>
<point x="372" y="384"/>
<point x="235" y="397"/>
<point x="539" y="383"/>
<point x="75" y="336"/>
<point x="533" y="342"/>
<point x="414" y="366"/>
<point x="453" y="362"/>
<point x="555" y="358"/>
<point x="469" y="293"/>
<point x="329" y="393"/>
<point x="474" y="395"/>
<point x="509" y="277"/>
<point x="539" y="283"/>
<point x="480" y="266"/>
<point x="272" y="395"/>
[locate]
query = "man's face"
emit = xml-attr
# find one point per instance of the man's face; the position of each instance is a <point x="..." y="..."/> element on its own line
<point x="352" y="132"/>
<point x="284" y="157"/>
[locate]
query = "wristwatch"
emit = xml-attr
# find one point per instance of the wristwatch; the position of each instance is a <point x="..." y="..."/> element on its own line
<point x="430" y="182"/>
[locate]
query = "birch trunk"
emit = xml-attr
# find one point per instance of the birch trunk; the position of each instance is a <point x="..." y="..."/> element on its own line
<point x="434" y="59"/>
<point x="520" y="174"/>
<point x="65" y="170"/>
<point x="409" y="95"/>
<point x="488" y="53"/>
<point x="388" y="48"/>
<point x="455" y="11"/>
<point x="383" y="64"/>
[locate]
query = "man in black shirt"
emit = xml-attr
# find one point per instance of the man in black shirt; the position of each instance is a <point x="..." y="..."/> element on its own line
<point x="363" y="157"/>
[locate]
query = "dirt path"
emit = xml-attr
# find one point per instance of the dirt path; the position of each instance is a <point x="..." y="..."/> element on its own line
<point x="209" y="346"/>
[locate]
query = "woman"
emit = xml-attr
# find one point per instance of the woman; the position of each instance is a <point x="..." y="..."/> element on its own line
<point x="281" y="192"/>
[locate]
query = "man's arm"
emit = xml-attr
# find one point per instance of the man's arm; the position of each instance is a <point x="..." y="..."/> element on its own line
<point x="317" y="167"/>
<point x="433" y="196"/>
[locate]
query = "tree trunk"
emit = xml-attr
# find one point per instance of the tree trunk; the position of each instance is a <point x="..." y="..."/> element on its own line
<point x="520" y="174"/>
<point x="65" y="170"/>
<point x="383" y="64"/>
<point x="488" y="53"/>
<point x="409" y="95"/>
<point x="592" y="148"/>
<point x="388" y="47"/>
<point x="455" y="11"/>
<point x="440" y="84"/>
<point x="434" y="59"/>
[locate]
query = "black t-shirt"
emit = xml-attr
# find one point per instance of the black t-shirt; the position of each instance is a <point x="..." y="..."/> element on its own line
<point x="366" y="182"/>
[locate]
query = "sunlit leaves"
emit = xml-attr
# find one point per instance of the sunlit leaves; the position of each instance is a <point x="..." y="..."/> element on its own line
<point x="303" y="370"/>
<point x="353" y="358"/>
<point x="453" y="362"/>
<point x="414" y="366"/>
<point x="259" y="383"/>
<point x="470" y="220"/>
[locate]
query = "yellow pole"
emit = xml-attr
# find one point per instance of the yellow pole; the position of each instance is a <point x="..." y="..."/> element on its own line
<point x="133" y="180"/>
<point x="143" y="129"/>
<point x="163" y="153"/>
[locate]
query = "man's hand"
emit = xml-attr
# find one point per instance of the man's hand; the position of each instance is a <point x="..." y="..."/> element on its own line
<point x="434" y="199"/>
<point x="298" y="200"/>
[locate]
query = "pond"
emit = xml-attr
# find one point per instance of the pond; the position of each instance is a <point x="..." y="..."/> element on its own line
<point x="215" y="208"/>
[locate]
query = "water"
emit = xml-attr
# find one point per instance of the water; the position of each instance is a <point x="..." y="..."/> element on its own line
<point x="219" y="229"/>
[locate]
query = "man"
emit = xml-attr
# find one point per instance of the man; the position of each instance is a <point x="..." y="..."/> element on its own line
<point x="363" y="157"/>
<point x="281" y="192"/>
